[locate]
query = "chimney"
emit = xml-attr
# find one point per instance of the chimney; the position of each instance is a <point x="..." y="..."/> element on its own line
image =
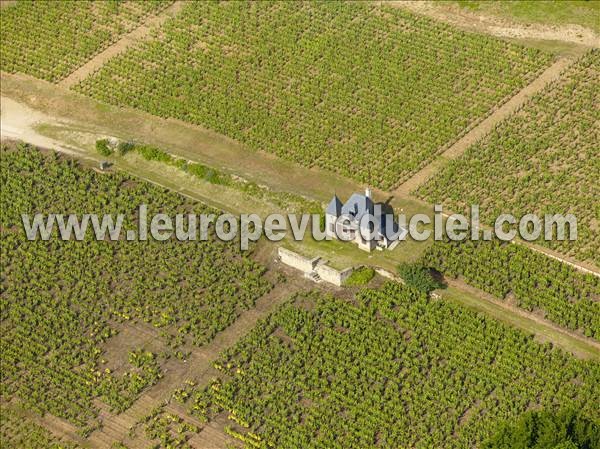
<point x="368" y="192"/>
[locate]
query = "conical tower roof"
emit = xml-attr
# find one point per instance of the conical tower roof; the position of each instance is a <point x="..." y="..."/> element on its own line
<point x="334" y="207"/>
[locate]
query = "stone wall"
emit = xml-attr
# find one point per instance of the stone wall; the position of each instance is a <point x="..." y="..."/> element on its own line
<point x="314" y="268"/>
<point x="332" y="275"/>
<point x="297" y="261"/>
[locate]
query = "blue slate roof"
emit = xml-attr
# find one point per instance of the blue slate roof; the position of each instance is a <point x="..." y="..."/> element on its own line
<point x="359" y="205"/>
<point x="334" y="207"/>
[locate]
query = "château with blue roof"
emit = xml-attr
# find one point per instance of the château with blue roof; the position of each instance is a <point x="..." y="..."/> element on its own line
<point x="363" y="222"/>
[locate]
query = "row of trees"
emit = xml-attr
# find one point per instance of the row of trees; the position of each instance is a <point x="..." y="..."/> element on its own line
<point x="565" y="429"/>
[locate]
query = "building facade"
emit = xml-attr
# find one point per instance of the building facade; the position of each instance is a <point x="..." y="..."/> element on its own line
<point x="360" y="220"/>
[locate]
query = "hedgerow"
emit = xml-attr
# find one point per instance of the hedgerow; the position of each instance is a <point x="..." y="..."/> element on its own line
<point x="289" y="202"/>
<point x="541" y="429"/>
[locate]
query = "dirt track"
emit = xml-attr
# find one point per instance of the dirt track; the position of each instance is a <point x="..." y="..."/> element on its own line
<point x="499" y="27"/>
<point x="487" y="125"/>
<point x="551" y="333"/>
<point x="18" y="123"/>
<point x="120" y="46"/>
<point x="198" y="367"/>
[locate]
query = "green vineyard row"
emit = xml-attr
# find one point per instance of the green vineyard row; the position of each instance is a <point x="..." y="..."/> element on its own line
<point x="62" y="301"/>
<point x="368" y="91"/>
<point x="388" y="368"/>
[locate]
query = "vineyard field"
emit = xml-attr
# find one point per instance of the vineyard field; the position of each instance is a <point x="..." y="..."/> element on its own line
<point x="534" y="281"/>
<point x="62" y="301"/>
<point x="543" y="160"/>
<point x="368" y="91"/>
<point x="20" y="432"/>
<point x="171" y="277"/>
<point x="50" y="39"/>
<point x="388" y="368"/>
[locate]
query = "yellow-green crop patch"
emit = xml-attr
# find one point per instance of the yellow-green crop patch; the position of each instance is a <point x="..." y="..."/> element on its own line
<point x="50" y="39"/>
<point x="61" y="301"/>
<point x="368" y="91"/>
<point x="388" y="368"/>
<point x="542" y="160"/>
<point x="19" y="432"/>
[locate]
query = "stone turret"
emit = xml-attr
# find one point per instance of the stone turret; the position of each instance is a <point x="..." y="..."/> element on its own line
<point x="333" y="211"/>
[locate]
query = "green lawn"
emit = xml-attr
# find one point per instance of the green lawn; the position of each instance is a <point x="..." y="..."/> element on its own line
<point x="580" y="12"/>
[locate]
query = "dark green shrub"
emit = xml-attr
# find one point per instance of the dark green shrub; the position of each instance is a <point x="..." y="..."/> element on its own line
<point x="151" y="153"/>
<point x="197" y="170"/>
<point x="181" y="164"/>
<point x="418" y="277"/>
<point x="125" y="147"/>
<point x="103" y="147"/>
<point x="209" y="174"/>
<point x="566" y="429"/>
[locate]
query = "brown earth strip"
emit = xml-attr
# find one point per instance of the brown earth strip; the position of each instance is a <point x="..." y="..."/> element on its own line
<point x="486" y="126"/>
<point x="531" y="322"/>
<point x="198" y="367"/>
<point x="121" y="45"/>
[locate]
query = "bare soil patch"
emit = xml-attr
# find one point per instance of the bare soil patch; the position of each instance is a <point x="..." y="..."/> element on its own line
<point x="498" y="26"/>
<point x="130" y="336"/>
<point x="197" y="367"/>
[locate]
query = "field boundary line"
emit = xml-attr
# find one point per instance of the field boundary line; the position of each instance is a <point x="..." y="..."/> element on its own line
<point x="484" y="127"/>
<point x="547" y="253"/>
<point x="199" y="367"/>
<point x="498" y="25"/>
<point x="481" y="295"/>
<point x="126" y="41"/>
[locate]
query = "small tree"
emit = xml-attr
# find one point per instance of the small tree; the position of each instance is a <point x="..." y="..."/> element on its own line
<point x="419" y="277"/>
<point x="103" y="147"/>
<point x="543" y="429"/>
<point x="151" y="153"/>
<point x="125" y="147"/>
